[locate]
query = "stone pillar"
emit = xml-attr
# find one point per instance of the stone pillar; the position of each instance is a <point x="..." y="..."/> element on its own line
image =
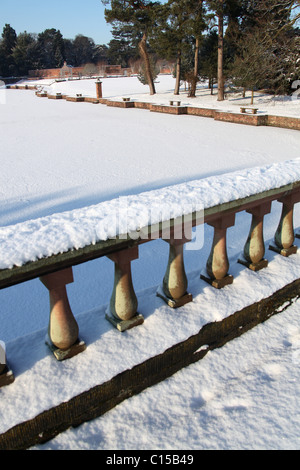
<point x="174" y="288"/>
<point x="6" y="375"/>
<point x="98" y="89"/>
<point x="63" y="329"/>
<point x="122" y="311"/>
<point x="284" y="236"/>
<point x="217" y="264"/>
<point x="254" y="248"/>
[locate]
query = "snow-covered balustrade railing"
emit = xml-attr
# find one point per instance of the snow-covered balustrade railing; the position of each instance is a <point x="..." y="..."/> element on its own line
<point x="49" y="247"/>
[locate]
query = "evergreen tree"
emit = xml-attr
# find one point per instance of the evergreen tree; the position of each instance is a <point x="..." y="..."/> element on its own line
<point x="51" y="46"/>
<point x="171" y="38"/>
<point x="83" y="50"/>
<point x="268" y="49"/>
<point x="209" y="58"/>
<point x="198" y="25"/>
<point x="123" y="46"/>
<point x="140" y="16"/>
<point x="8" y="42"/>
<point x="218" y="7"/>
<point x="25" y="53"/>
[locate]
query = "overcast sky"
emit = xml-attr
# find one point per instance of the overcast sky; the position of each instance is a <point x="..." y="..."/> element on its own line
<point x="71" y="17"/>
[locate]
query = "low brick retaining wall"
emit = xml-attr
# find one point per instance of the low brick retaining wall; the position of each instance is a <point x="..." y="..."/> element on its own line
<point x="120" y="104"/>
<point x="241" y="118"/>
<point x="142" y="105"/>
<point x="168" y="109"/>
<point x="75" y="99"/>
<point x="284" y="122"/>
<point x="204" y="112"/>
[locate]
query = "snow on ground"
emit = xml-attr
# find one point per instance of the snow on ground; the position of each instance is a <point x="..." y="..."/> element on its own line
<point x="60" y="156"/>
<point x="34" y="239"/>
<point x="243" y="396"/>
<point x="41" y="382"/>
<point x="266" y="103"/>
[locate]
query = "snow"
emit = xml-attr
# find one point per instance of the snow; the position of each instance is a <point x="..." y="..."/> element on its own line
<point x="266" y="103"/>
<point x="58" y="233"/>
<point x="61" y="161"/>
<point x="243" y="396"/>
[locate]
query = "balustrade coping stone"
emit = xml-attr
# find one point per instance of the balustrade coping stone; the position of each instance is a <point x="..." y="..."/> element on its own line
<point x="50" y="264"/>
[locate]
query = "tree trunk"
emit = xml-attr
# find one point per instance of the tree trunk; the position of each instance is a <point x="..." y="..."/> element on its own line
<point x="178" y="69"/>
<point x="196" y="62"/>
<point x="145" y="57"/>
<point x="220" y="53"/>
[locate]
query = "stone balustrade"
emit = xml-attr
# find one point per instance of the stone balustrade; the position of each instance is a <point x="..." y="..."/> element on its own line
<point x="55" y="272"/>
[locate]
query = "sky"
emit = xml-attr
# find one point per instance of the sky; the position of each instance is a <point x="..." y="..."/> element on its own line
<point x="71" y="17"/>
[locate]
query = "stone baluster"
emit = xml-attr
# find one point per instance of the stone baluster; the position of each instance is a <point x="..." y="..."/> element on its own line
<point x="217" y="264"/>
<point x="6" y="375"/>
<point x="63" y="329"/>
<point x="122" y="311"/>
<point x="254" y="248"/>
<point x="174" y="287"/>
<point x="284" y="236"/>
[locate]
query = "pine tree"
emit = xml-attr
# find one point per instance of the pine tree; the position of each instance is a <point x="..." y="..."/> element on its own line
<point x="198" y="25"/>
<point x="140" y="16"/>
<point x="123" y="46"/>
<point x="83" y="49"/>
<point x="51" y="45"/>
<point x="268" y="49"/>
<point x="8" y="42"/>
<point x="218" y="7"/>
<point x="25" y="53"/>
<point x="209" y="58"/>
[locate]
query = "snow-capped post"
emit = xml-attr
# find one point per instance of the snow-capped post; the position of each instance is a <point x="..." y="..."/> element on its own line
<point x="217" y="264"/>
<point x="254" y="248"/>
<point x="63" y="330"/>
<point x="98" y="89"/>
<point x="174" y="287"/>
<point x="284" y="236"/>
<point x="122" y="310"/>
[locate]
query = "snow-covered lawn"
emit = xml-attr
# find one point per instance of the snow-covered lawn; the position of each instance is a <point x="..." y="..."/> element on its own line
<point x="60" y="156"/>
<point x="244" y="396"/>
<point x="116" y="88"/>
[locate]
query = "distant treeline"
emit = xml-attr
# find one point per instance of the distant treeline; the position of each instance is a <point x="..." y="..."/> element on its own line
<point x="248" y="44"/>
<point x="49" y="49"/>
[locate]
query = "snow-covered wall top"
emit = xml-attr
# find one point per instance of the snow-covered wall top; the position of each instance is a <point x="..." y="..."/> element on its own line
<point x="58" y="233"/>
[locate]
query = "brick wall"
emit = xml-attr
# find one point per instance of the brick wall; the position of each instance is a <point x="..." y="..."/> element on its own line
<point x="250" y="119"/>
<point x="205" y="112"/>
<point x="285" y="122"/>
